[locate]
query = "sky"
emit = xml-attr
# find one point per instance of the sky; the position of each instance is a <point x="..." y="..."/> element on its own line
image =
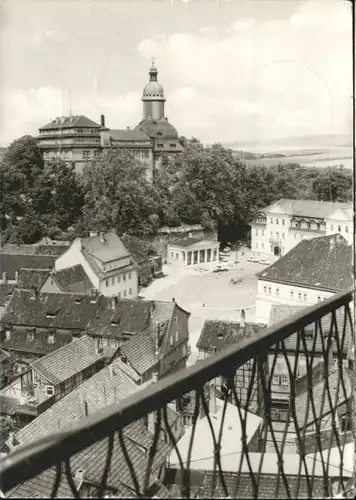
<point x="232" y="70"/>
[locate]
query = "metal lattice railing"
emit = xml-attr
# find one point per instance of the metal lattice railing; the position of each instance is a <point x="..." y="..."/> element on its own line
<point x="282" y="425"/>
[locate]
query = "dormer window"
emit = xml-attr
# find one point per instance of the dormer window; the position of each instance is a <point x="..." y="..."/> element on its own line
<point x="7" y="335"/>
<point x="51" y="338"/>
<point x="30" y="336"/>
<point x="52" y="313"/>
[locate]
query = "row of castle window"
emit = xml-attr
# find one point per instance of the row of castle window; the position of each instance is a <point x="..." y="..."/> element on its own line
<point x="118" y="277"/>
<point x="271" y="234"/>
<point x="292" y="295"/>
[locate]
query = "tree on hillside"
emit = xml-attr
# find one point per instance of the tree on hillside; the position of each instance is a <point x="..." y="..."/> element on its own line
<point x="333" y="184"/>
<point x="117" y="195"/>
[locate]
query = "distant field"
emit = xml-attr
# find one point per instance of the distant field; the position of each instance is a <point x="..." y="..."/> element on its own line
<point x="319" y="158"/>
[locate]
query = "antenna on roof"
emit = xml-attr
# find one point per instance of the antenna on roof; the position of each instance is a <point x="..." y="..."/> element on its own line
<point x="70" y="103"/>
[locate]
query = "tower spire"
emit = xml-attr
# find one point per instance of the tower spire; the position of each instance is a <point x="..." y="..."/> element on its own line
<point x="153" y="71"/>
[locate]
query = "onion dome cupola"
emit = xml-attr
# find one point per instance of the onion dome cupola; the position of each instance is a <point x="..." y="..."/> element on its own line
<point x="153" y="97"/>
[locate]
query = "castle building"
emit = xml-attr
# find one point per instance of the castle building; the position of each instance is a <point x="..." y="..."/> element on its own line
<point x="78" y="139"/>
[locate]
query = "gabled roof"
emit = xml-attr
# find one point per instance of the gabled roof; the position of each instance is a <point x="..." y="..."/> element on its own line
<point x="308" y="208"/>
<point x="6" y="291"/>
<point x="140" y="352"/>
<point x="73" y="279"/>
<point x="117" y="318"/>
<point x="29" y="278"/>
<point x="105" y="251"/>
<point x="129" y="135"/>
<point x="220" y="334"/>
<point x="10" y="263"/>
<point x="56" y="249"/>
<point x="324" y="263"/>
<point x="18" y="342"/>
<point x="70" y="122"/>
<point x="327" y="395"/>
<point x="188" y="242"/>
<point x="280" y="312"/>
<point x="49" y="310"/>
<point x="67" y="361"/>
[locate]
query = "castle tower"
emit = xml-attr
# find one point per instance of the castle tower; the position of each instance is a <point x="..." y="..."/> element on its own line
<point x="153" y="97"/>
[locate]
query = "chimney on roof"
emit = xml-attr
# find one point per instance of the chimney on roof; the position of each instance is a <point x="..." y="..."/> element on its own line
<point x="242" y="318"/>
<point x="157" y="336"/>
<point x="112" y="370"/>
<point x="102" y="120"/>
<point x="212" y="398"/>
<point x="11" y="440"/>
<point x="113" y="302"/>
<point x="4" y="277"/>
<point x="97" y="345"/>
<point x="79" y="475"/>
<point x="17" y="276"/>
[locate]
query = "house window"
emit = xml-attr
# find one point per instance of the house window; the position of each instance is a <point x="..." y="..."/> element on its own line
<point x="177" y="336"/>
<point x="339" y="229"/>
<point x="129" y="276"/>
<point x="29" y="336"/>
<point x="51" y="339"/>
<point x="263" y="233"/>
<point x="276" y="379"/>
<point x="265" y="289"/>
<point x="291" y="294"/>
<point x="118" y="278"/>
<point x="160" y="145"/>
<point x="49" y="390"/>
<point x="113" y="280"/>
<point x="172" y="145"/>
<point x="284" y="380"/>
<point x="345" y="424"/>
<point x="124" y="277"/>
<point x="282" y="222"/>
<point x="175" y="319"/>
<point x="319" y="299"/>
<point x="277" y="291"/>
<point x="346" y="229"/>
<point x="262" y="244"/>
<point x="119" y="295"/>
<point x="283" y="236"/>
<point x="299" y="296"/>
<point x="125" y="293"/>
<point x="269" y="290"/>
<point x="305" y="296"/>
<point x="106" y="282"/>
<point x="277" y="221"/>
<point x="256" y="245"/>
<point x="130" y="291"/>
<point x="256" y="232"/>
<point x="271" y="221"/>
<point x="331" y="227"/>
<point x="171" y="339"/>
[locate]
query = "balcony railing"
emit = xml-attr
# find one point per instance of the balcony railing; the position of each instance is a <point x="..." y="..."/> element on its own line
<point x="306" y="455"/>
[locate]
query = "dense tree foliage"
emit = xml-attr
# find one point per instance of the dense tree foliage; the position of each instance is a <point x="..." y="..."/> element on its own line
<point x="206" y="185"/>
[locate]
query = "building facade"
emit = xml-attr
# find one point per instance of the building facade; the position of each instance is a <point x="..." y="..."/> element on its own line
<point x="79" y="140"/>
<point x="281" y="226"/>
<point x="108" y="264"/>
<point x="312" y="271"/>
<point x="192" y="251"/>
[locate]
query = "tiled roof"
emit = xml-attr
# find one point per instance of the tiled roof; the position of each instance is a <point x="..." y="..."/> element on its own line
<point x="111" y="249"/>
<point x="67" y="361"/>
<point x="320" y="391"/>
<point x="185" y="242"/>
<point x="70" y="122"/>
<point x="160" y="129"/>
<point x="280" y="312"/>
<point x="7" y="404"/>
<point x="243" y="487"/>
<point x="324" y="262"/>
<point x="37" y="249"/>
<point x="129" y="135"/>
<point x="73" y="279"/>
<point x="10" y="263"/>
<point x="49" y="310"/>
<point x="6" y="290"/>
<point x="129" y="316"/>
<point x="308" y="208"/>
<point x="220" y="334"/>
<point x="101" y="390"/>
<point x="19" y="342"/>
<point x="29" y="278"/>
<point x="140" y="352"/>
<point x="41" y="487"/>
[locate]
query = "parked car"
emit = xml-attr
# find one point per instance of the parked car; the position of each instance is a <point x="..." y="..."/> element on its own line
<point x="264" y="262"/>
<point x="253" y="259"/>
<point x="236" y="281"/>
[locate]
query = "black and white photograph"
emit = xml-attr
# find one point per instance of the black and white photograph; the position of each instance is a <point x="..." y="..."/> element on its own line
<point x="177" y="249"/>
